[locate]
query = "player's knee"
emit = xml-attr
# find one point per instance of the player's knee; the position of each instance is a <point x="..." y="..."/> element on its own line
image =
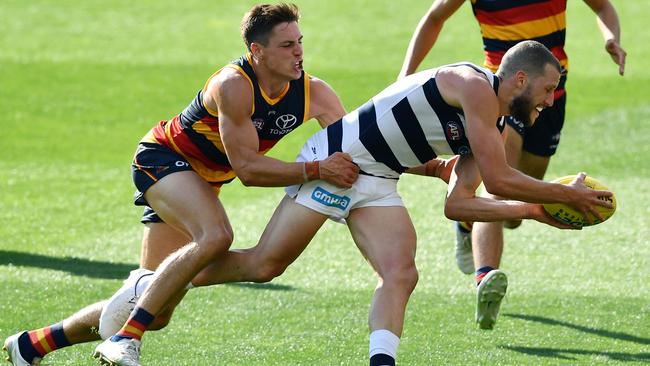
<point x="404" y="277"/>
<point x="214" y="243"/>
<point x="513" y="224"/>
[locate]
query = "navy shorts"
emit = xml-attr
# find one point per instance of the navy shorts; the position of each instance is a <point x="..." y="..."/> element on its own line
<point x="543" y="136"/>
<point x="151" y="163"/>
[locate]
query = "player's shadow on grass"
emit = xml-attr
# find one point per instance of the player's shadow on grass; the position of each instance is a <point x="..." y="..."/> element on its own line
<point x="582" y="328"/>
<point x="262" y="286"/>
<point x="96" y="269"/>
<point x="75" y="266"/>
<point x="565" y="353"/>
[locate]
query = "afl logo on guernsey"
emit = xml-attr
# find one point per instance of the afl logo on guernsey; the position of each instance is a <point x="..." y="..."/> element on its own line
<point x="258" y="123"/>
<point x="454" y="133"/>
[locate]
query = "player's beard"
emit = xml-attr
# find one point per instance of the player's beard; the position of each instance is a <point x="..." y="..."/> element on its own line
<point x="522" y="106"/>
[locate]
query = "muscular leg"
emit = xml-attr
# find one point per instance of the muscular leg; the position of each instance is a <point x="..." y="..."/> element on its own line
<point x="390" y="250"/>
<point x="276" y="250"/>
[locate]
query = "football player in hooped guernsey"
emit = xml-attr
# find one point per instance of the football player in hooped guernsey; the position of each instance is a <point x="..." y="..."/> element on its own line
<point x="529" y="148"/>
<point x="179" y="166"/>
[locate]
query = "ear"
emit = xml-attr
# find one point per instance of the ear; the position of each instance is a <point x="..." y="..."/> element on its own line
<point x="257" y="50"/>
<point x="521" y="78"/>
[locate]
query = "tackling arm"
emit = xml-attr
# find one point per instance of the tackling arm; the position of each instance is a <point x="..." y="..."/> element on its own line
<point x="232" y="96"/>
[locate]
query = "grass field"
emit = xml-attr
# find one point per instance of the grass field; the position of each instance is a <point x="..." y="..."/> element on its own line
<point x="82" y="81"/>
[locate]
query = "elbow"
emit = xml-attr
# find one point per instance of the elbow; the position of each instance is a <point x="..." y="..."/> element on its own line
<point x="245" y="176"/>
<point x="496" y="187"/>
<point x="453" y="211"/>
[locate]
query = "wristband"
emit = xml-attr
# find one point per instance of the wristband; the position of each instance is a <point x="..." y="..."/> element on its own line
<point x="311" y="170"/>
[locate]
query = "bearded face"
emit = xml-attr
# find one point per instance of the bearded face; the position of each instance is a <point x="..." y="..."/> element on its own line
<point x="521" y="107"/>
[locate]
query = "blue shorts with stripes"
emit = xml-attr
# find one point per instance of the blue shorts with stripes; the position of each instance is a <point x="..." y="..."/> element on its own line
<point x="151" y="163"/>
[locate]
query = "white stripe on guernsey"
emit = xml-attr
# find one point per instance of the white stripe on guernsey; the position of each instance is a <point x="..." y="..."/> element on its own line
<point x="353" y="146"/>
<point x="396" y="140"/>
<point x="350" y="129"/>
<point x="429" y="122"/>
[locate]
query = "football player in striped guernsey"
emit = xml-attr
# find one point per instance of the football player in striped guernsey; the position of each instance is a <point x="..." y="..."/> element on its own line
<point x="504" y="23"/>
<point x="450" y="110"/>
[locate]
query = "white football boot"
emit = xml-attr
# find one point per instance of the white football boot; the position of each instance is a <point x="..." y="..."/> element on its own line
<point x="125" y="352"/>
<point x="464" y="258"/>
<point x="489" y="294"/>
<point x="13" y="352"/>
<point x="117" y="309"/>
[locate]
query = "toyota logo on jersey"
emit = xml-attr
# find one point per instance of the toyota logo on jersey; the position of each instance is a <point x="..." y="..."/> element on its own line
<point x="286" y="121"/>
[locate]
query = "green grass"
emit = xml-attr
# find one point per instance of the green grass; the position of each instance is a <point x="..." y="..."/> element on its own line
<point x="82" y="81"/>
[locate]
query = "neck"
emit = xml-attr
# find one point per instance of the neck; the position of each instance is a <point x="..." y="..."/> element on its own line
<point x="271" y="83"/>
<point x="505" y="95"/>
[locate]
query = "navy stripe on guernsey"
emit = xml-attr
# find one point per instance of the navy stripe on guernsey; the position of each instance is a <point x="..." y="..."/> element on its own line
<point x="374" y="141"/>
<point x="334" y="137"/>
<point x="407" y="122"/>
<point x="446" y="114"/>
<point x="497" y="5"/>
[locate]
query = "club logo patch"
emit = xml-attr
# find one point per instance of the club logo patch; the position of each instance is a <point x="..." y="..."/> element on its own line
<point x="330" y="199"/>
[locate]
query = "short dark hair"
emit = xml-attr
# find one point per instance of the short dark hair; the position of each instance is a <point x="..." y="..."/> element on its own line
<point x="260" y="20"/>
<point x="528" y="56"/>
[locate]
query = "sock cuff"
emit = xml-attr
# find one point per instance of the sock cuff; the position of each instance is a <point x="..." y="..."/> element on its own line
<point x="383" y="341"/>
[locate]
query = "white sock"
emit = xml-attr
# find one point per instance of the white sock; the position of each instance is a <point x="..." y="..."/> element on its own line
<point x="383" y="341"/>
<point x="143" y="283"/>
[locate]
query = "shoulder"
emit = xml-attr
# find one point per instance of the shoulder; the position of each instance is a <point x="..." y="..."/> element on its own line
<point x="228" y="88"/>
<point x="460" y="84"/>
<point x="229" y="78"/>
<point x="325" y="104"/>
<point x="320" y="92"/>
<point x="319" y="86"/>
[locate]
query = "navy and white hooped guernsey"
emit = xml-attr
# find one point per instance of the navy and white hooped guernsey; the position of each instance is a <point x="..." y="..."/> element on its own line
<point x="404" y="126"/>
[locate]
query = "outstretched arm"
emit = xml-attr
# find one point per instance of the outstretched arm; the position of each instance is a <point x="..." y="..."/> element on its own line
<point x="468" y="90"/>
<point x="611" y="30"/>
<point x="462" y="204"/>
<point x="426" y="34"/>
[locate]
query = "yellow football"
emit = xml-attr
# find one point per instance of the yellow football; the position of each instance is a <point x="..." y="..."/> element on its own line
<point x="571" y="216"/>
